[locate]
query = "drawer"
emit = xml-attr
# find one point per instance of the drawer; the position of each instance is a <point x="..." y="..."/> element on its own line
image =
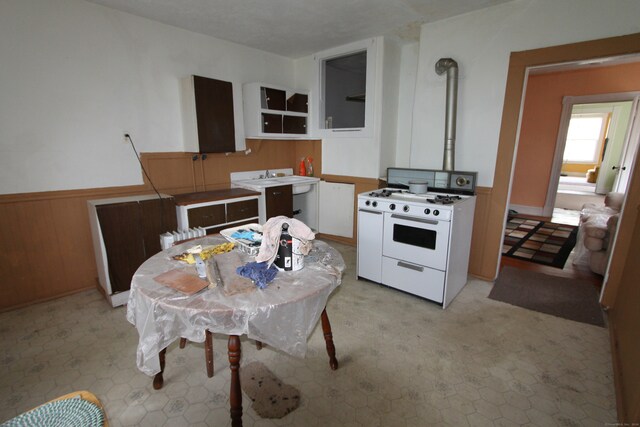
<point x="241" y="210"/>
<point x="412" y="278"/>
<point x="206" y="216"/>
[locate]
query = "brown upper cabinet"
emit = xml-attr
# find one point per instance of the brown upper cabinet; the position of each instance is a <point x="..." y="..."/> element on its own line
<point x="210" y="116"/>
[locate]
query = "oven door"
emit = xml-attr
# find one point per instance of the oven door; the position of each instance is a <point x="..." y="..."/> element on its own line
<point x="417" y="240"/>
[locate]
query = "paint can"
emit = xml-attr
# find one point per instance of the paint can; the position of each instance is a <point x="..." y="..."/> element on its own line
<point x="289" y="256"/>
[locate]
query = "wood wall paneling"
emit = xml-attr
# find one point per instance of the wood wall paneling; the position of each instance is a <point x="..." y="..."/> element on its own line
<point x="173" y="173"/>
<point x="624" y="319"/>
<point x="477" y="259"/>
<point x="31" y="265"/>
<point x="73" y="236"/>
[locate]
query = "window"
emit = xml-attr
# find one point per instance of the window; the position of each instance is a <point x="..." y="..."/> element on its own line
<point x="345" y="78"/>
<point x="585" y="137"/>
<point x="345" y="91"/>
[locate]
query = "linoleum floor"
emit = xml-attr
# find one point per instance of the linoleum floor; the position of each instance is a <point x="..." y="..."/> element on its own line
<point x="403" y="362"/>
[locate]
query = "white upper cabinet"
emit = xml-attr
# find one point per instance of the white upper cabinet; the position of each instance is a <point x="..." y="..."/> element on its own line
<point x="274" y="112"/>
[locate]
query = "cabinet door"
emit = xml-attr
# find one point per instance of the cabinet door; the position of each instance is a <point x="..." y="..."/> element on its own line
<point x="241" y="210"/>
<point x="123" y="240"/>
<point x="271" y="123"/>
<point x="214" y="115"/>
<point x="336" y="208"/>
<point x="273" y="99"/>
<point x="279" y="201"/>
<point x="206" y="216"/>
<point x="157" y="216"/>
<point x="298" y="103"/>
<point x="294" y="124"/>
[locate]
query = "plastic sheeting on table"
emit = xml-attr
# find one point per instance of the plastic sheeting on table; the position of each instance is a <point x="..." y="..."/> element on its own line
<point x="282" y="315"/>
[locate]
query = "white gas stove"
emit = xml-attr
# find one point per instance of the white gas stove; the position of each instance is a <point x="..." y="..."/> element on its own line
<point x="418" y="243"/>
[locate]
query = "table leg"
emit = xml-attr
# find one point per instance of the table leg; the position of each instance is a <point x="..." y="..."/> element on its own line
<point x="158" y="380"/>
<point x="328" y="339"/>
<point x="258" y="345"/>
<point x="208" y="351"/>
<point x="235" y="392"/>
<point x="183" y="342"/>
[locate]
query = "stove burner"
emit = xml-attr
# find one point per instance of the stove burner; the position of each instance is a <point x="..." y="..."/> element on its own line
<point x="383" y="193"/>
<point x="444" y="200"/>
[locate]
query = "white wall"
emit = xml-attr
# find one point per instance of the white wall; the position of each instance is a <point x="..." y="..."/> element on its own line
<point x="406" y="102"/>
<point x="75" y="76"/>
<point x="481" y="43"/>
<point x="391" y="70"/>
<point x="363" y="156"/>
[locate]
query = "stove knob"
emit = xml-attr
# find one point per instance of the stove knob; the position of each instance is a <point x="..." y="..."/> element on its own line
<point x="368" y="202"/>
<point x="374" y="204"/>
<point x="436" y="212"/>
<point x="406" y="208"/>
<point x="392" y="206"/>
<point x="427" y="211"/>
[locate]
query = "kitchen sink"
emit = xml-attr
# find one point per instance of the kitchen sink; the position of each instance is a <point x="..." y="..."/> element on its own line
<point x="300" y="184"/>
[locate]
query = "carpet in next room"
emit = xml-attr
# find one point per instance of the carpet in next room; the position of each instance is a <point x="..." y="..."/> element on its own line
<point x="539" y="241"/>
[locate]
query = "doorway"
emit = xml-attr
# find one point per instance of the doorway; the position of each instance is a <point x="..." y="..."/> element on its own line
<point x="593" y="95"/>
<point x="593" y="139"/>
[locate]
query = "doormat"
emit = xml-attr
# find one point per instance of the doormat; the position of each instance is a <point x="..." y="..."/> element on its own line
<point x="558" y="296"/>
<point x="539" y="241"/>
<point x="270" y="397"/>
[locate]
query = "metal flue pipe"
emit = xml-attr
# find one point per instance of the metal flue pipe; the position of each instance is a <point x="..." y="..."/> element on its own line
<point x="451" y="68"/>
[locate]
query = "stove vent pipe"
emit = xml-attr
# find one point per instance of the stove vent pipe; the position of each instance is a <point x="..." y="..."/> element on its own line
<point x="451" y="67"/>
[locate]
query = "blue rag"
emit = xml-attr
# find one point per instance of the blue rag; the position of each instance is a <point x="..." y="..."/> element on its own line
<point x="244" y="234"/>
<point x="258" y="272"/>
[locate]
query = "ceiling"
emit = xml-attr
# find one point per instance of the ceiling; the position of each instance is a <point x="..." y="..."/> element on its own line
<point x="296" y="28"/>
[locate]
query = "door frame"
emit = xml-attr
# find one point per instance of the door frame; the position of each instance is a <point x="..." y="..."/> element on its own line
<point x="567" y="106"/>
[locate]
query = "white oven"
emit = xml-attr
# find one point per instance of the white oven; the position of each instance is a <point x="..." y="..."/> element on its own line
<point x="416" y="240"/>
<point x="418" y="243"/>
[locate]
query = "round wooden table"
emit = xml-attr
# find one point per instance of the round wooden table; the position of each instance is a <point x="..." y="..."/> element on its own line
<point x="282" y="315"/>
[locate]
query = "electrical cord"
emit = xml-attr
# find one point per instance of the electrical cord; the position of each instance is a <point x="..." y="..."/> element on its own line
<point x="162" y="222"/>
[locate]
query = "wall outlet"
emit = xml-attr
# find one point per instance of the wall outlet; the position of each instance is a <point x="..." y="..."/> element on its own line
<point x="125" y="138"/>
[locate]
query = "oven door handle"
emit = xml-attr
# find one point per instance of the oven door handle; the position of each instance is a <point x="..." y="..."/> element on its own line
<point x="371" y="212"/>
<point x="410" y="266"/>
<point x="410" y="218"/>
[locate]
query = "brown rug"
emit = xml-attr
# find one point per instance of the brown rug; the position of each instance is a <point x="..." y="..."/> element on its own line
<point x="539" y="241"/>
<point x="559" y="296"/>
<point x="271" y="397"/>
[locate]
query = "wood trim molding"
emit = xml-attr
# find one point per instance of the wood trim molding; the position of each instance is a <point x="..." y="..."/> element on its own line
<point x="94" y="193"/>
<point x="350" y="179"/>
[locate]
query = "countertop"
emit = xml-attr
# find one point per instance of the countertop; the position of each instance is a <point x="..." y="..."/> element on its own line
<point x="212" y="196"/>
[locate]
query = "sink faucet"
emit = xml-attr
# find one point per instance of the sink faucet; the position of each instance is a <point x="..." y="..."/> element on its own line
<point x="267" y="174"/>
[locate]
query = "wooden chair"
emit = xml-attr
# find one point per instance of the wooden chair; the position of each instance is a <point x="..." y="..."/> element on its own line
<point x="158" y="380"/>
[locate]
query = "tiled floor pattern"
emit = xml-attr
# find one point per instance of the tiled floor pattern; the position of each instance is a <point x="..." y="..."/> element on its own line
<point x="403" y="362"/>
